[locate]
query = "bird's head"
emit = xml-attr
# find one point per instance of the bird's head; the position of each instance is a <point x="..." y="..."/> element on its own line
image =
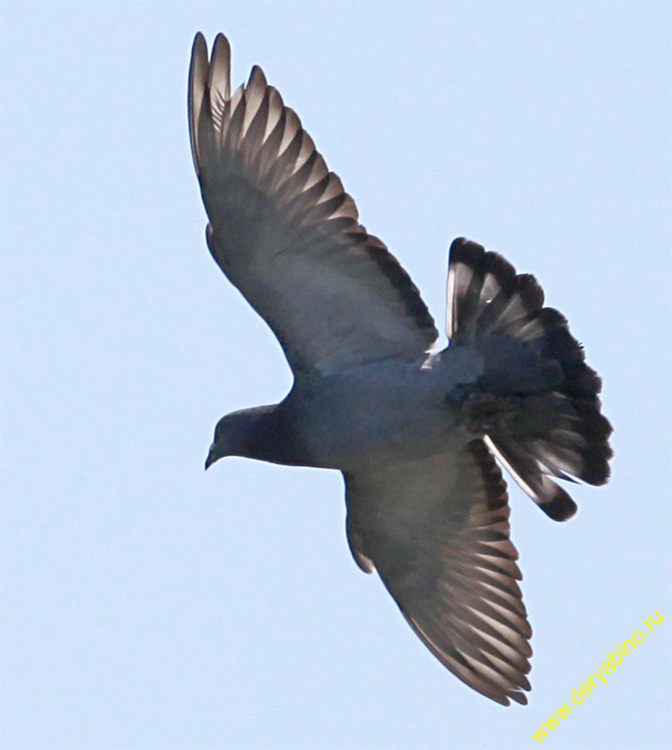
<point x="224" y="441"/>
<point x="236" y="434"/>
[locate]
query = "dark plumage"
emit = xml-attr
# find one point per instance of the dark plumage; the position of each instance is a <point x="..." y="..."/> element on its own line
<point x="414" y="433"/>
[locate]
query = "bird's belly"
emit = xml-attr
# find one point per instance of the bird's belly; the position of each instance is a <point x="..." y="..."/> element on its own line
<point x="354" y="428"/>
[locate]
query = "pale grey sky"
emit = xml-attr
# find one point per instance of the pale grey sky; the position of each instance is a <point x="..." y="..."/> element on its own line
<point x="148" y="605"/>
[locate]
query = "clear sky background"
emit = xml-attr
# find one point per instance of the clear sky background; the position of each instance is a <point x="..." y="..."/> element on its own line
<point x="149" y="605"/>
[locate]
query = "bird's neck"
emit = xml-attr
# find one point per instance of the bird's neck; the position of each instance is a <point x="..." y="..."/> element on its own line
<point x="272" y="437"/>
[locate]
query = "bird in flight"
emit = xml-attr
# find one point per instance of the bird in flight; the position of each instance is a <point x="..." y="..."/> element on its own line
<point x="415" y="432"/>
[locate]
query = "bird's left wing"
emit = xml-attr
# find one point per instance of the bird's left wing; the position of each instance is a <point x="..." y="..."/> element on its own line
<point x="437" y="532"/>
<point x="286" y="233"/>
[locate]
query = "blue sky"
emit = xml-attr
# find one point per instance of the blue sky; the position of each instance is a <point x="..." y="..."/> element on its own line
<point x="149" y="605"/>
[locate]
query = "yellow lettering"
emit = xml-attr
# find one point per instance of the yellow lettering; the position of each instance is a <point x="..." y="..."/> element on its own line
<point x="612" y="657"/>
<point x="608" y="666"/>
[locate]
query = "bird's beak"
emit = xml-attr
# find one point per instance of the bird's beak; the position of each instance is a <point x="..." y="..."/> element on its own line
<point x="210" y="460"/>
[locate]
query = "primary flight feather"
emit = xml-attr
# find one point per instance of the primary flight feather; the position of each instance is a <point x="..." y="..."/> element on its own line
<point x="414" y="433"/>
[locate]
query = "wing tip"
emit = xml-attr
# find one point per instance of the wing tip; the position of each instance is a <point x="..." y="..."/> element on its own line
<point x="219" y="78"/>
<point x="198" y="81"/>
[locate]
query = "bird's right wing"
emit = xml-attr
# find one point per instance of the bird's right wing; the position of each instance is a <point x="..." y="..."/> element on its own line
<point x="285" y="232"/>
<point x="437" y="532"/>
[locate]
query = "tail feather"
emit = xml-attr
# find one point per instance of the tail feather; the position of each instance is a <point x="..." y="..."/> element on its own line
<point x="569" y="436"/>
<point x="532" y="478"/>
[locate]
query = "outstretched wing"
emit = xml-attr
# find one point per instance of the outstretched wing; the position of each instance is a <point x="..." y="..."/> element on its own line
<point x="437" y="531"/>
<point x="286" y="233"/>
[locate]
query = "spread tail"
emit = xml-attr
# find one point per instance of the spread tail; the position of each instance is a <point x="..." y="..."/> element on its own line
<point x="564" y="434"/>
